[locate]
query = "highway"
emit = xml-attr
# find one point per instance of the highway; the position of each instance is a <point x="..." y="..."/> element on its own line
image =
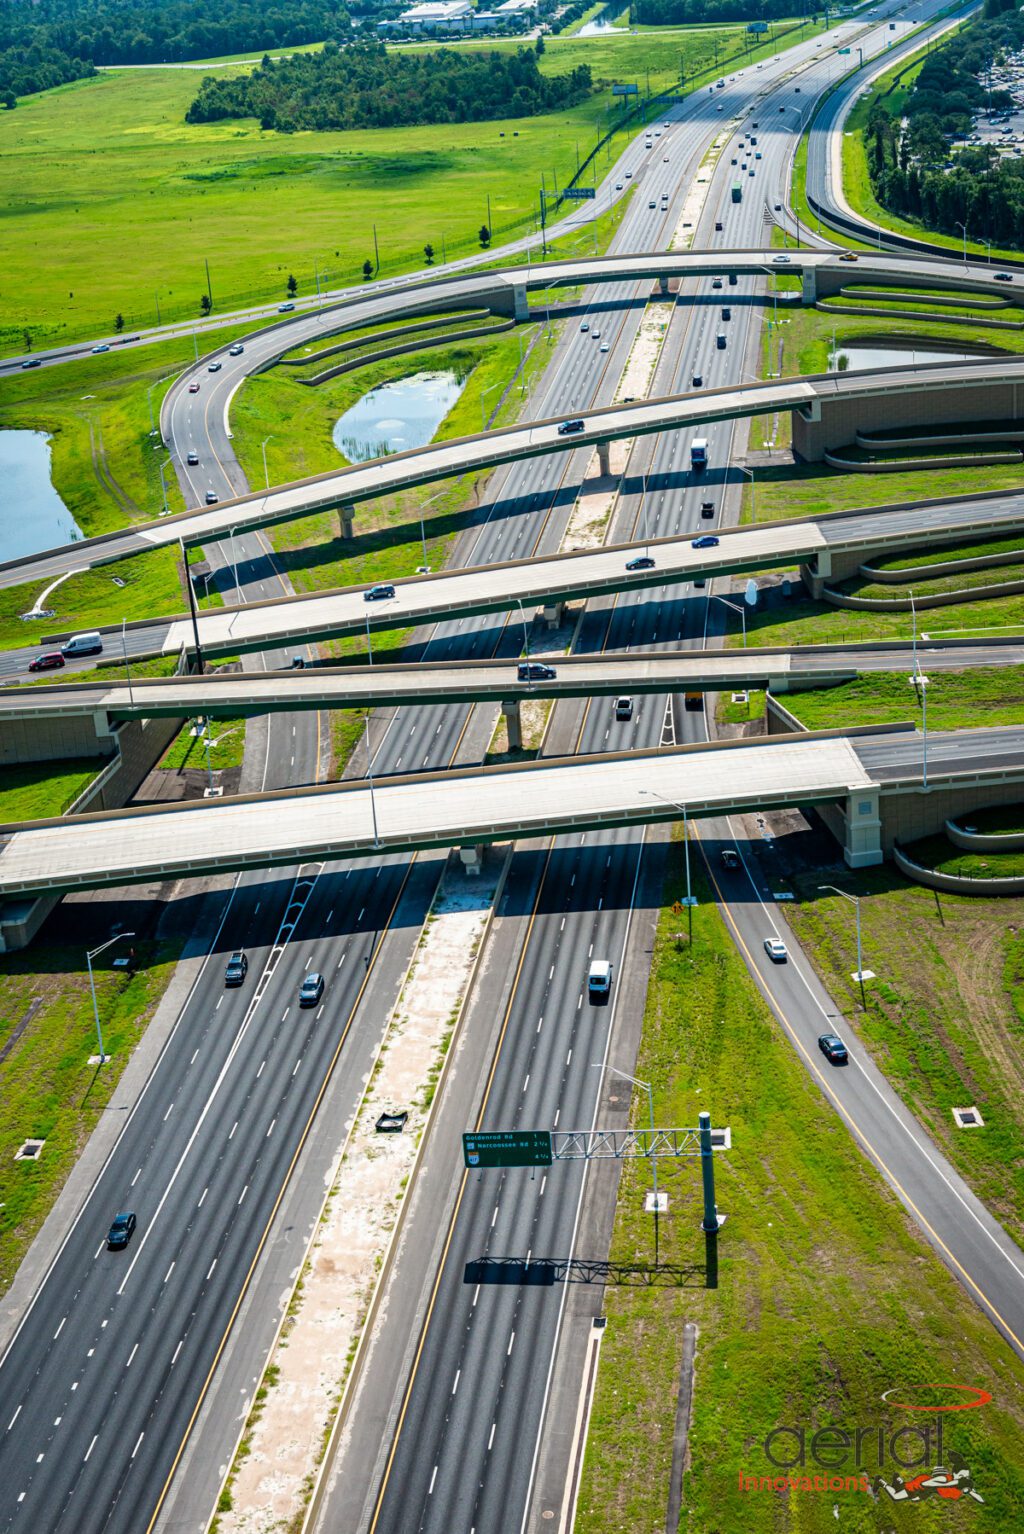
<point x="73" y="1484"/>
<point x="228" y="695"/>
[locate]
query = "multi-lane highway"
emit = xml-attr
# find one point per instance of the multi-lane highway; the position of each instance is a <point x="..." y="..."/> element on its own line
<point x="460" y="1460"/>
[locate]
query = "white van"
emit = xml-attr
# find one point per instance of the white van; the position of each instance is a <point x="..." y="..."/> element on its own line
<point x="599" y="980"/>
<point x="83" y="644"/>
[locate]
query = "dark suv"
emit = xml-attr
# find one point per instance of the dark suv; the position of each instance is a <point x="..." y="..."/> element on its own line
<point x="237" y="969"/>
<point x="379" y="593"/>
<point x="569" y="428"/>
<point x="311" y="990"/>
<point x="535" y="671"/>
<point x="120" y="1233"/>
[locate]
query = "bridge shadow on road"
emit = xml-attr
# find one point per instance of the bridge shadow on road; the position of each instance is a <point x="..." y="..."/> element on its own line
<point x="545" y="1272"/>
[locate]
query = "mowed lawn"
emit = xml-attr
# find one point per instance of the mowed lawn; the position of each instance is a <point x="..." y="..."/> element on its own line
<point x="113" y="202"/>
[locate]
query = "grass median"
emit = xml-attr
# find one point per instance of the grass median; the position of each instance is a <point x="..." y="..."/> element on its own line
<point x="827" y="1296"/>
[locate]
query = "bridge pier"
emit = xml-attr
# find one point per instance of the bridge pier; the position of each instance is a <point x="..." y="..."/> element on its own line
<point x="346" y="521"/>
<point x="663" y="287"/>
<point x="604" y="462"/>
<point x="520" y="303"/>
<point x="513" y="723"/>
<point x="862" y="843"/>
<point x="473" y="859"/>
<point x="810" y="286"/>
<point x="553" y="614"/>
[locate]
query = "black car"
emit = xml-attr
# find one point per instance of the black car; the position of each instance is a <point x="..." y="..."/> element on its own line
<point x="237" y="969"/>
<point x="33" y="362"/>
<point x="535" y="671"/>
<point x="708" y="541"/>
<point x="641" y="562"/>
<point x="569" y="428"/>
<point x="698" y="381"/>
<point x="193" y="458"/>
<point x="212" y="497"/>
<point x="1003" y="277"/>
<point x="379" y="593"/>
<point x="215" y="367"/>
<point x="833" y="1048"/>
<point x="730" y="858"/>
<point x="311" y="990"/>
<point x="707" y="508"/>
<point x="120" y="1233"/>
<point x="718" y="221"/>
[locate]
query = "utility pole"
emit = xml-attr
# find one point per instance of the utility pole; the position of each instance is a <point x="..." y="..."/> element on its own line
<point x="209" y="290"/>
<point x="376" y="252"/>
<point x="192" y="607"/>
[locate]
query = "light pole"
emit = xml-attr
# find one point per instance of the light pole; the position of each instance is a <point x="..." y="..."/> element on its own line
<point x="369" y="776"/>
<point x="483" y="413"/>
<point x="234" y="564"/>
<point x="673" y="804"/>
<point x="753" y="491"/>
<point x="737" y="608"/>
<point x="913" y="614"/>
<point x="526" y="632"/>
<point x="855" y="902"/>
<point x="149" y="401"/>
<point x="127" y="668"/>
<point x="163" y="485"/>
<point x="959" y="225"/>
<point x="266" y="476"/>
<point x="90" y="954"/>
<point x="645" y="1086"/>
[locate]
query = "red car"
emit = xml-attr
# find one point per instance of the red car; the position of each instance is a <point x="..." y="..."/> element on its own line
<point x="193" y="388"/>
<point x="51" y="662"/>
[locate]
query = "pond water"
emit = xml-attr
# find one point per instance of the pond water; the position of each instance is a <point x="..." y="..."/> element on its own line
<point x="396" y="416"/>
<point x="604" y="22"/>
<point x="893" y="356"/>
<point x="32" y="515"/>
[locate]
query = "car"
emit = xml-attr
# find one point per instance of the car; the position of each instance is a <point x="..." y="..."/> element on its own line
<point x="757" y="154"/>
<point x="732" y="279"/>
<point x="212" y="497"/>
<point x="535" y="671"/>
<point x="665" y="158"/>
<point x="570" y="428"/>
<point x="379" y="593"/>
<point x="120" y="1233"/>
<point x="193" y="458"/>
<point x="596" y="335"/>
<point x="31" y="362"/>
<point x="707" y="508"/>
<point x="604" y="346"/>
<point x="623" y="708"/>
<point x="735" y="161"/>
<point x="103" y="347"/>
<point x="51" y="661"/>
<point x="781" y="261"/>
<point x="629" y="175"/>
<point x="744" y="165"/>
<point x="848" y="255"/>
<point x="285" y="308"/>
<point x="797" y="89"/>
<point x="641" y="562"/>
<point x="775" y="948"/>
<point x="236" y="350"/>
<point x="215" y="367"/>
<point x="751" y="170"/>
<point x="298" y="663"/>
<point x="584" y="326"/>
<point x="697" y="381"/>
<point x="718" y="226"/>
<point x="782" y="109"/>
<point x="700" y="582"/>
<point x="716" y="282"/>
<point x="705" y="541"/>
<point x="720" y="341"/>
<point x="726" y="312"/>
<point x="730" y="858"/>
<point x="657" y="133"/>
<point x="778" y="207"/>
<point x="237" y="968"/>
<point x="652" y="203"/>
<point x="833" y="1048"/>
<point x="618" y="186"/>
<point x="311" y="989"/>
<point x="718" y="108"/>
<point x="193" y="388"/>
<point x="1004" y="277"/>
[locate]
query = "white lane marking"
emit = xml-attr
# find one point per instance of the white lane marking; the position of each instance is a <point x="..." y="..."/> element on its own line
<point x="494" y="1216"/>
<point x="568" y="1057"/>
<point x="209" y="1275"/>
<point x="74" y="1384"/>
<point x="327" y="923"/>
<point x="200" y="1203"/>
<point x="234" y="1126"/>
<point x="543" y="1184"/>
<point x="138" y="1444"/>
<point x="193" y="1059"/>
<point x="476" y="1296"/>
<point x="17" y="1413"/>
<point x="455" y="1387"/>
<point x="87" y="1452"/>
<point x="170" y="1270"/>
<point x="174" y="1356"/>
<point x="168" y="1113"/>
<point x="131" y="1355"/>
<point x="270" y="1131"/>
<point x="539" y="1022"/>
<point x="259" y="1073"/>
<point x="526" y="1083"/>
<point x="135" y="1178"/>
<point x="512" y="1339"/>
<point x="99" y="1249"/>
<point x="296" y="1065"/>
<point x="433" y="1478"/>
<point x="243" y="1192"/>
<point x="59" y="1330"/>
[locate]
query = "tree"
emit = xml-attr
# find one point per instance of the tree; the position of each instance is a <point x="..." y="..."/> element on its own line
<point x="10" y="100"/>
<point x="204" y="304"/>
<point x="293" y="286"/>
<point x="367" y="270"/>
<point x="428" y="251"/>
<point x="540" y="45"/>
<point x="119" y="323"/>
<point x="485" y="236"/>
<point x="28" y="339"/>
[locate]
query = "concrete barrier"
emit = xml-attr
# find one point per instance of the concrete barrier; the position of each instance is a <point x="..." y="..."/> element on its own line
<point x="941" y="567"/>
<point x="984" y="841"/>
<point x="913" y="314"/>
<point x="387" y="333"/>
<point x="421" y="343"/>
<point x="947" y="300"/>
<point x="907" y="465"/>
<point x="954" y="884"/>
<point x="936" y="599"/>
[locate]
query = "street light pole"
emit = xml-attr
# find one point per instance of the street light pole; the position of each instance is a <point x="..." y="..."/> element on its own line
<point x="855" y="902"/>
<point x="266" y="476"/>
<point x="673" y="804"/>
<point x="91" y="954"/>
<point x="736" y="609"/>
<point x="234" y="564"/>
<point x="369" y="776"/>
<point x="645" y="1086"/>
<point x="753" y="491"/>
<point x="127" y="668"/>
<point x="959" y="225"/>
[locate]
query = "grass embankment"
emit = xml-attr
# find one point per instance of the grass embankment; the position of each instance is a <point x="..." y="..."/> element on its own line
<point x="227" y="743"/>
<point x="48" y="1090"/>
<point x="107" y="173"/>
<point x="957" y="700"/>
<point x="938" y="852"/>
<point x="800" y="621"/>
<point x="980" y="550"/>
<point x="39" y="789"/>
<point x="960" y="580"/>
<point x="944" y="1017"/>
<point x="818" y="1307"/>
<point x="1002" y="820"/>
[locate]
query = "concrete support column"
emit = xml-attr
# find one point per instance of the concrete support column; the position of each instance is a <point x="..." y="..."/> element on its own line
<point x="473" y="859"/>
<point x="811" y="411"/>
<point x="863" y="845"/>
<point x="346" y="521"/>
<point x="553" y="614"/>
<point x="604" y="463"/>
<point x="104" y="732"/>
<point x="513" y="723"/>
<point x="816" y="576"/>
<point x="663" y="287"/>
<point x="810" y="287"/>
<point x="520" y="302"/>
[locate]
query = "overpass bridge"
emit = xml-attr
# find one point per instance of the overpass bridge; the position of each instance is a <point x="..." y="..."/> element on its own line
<point x="828" y="408"/>
<point x="469" y="809"/>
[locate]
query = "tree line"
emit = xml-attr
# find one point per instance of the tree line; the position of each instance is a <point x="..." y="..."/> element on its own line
<point x="912" y="168"/>
<point x="660" y="13"/>
<point x="50" y="42"/>
<point x="368" y="86"/>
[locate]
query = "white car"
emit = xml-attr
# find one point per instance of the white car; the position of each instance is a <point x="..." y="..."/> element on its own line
<point x="781" y="261"/>
<point x="775" y="948"/>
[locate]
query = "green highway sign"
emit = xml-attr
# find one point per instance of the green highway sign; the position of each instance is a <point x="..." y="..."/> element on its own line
<point x="507" y="1147"/>
<point x="579" y="193"/>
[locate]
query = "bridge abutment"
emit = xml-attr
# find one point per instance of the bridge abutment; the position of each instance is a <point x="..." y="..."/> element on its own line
<point x="346" y="521"/>
<point x="513" y="723"/>
<point x="604" y="459"/>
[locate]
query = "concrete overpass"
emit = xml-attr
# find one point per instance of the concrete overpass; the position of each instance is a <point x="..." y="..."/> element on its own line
<point x="827" y="548"/>
<point x="471" y="808"/>
<point x="48" y="723"/>
<point x="828" y="408"/>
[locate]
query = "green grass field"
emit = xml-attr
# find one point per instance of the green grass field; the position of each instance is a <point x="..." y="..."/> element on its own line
<point x="956" y="700"/>
<point x="826" y="1296"/>
<point x="939" y="853"/>
<point x="107" y="173"/>
<point x="39" y="789"/>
